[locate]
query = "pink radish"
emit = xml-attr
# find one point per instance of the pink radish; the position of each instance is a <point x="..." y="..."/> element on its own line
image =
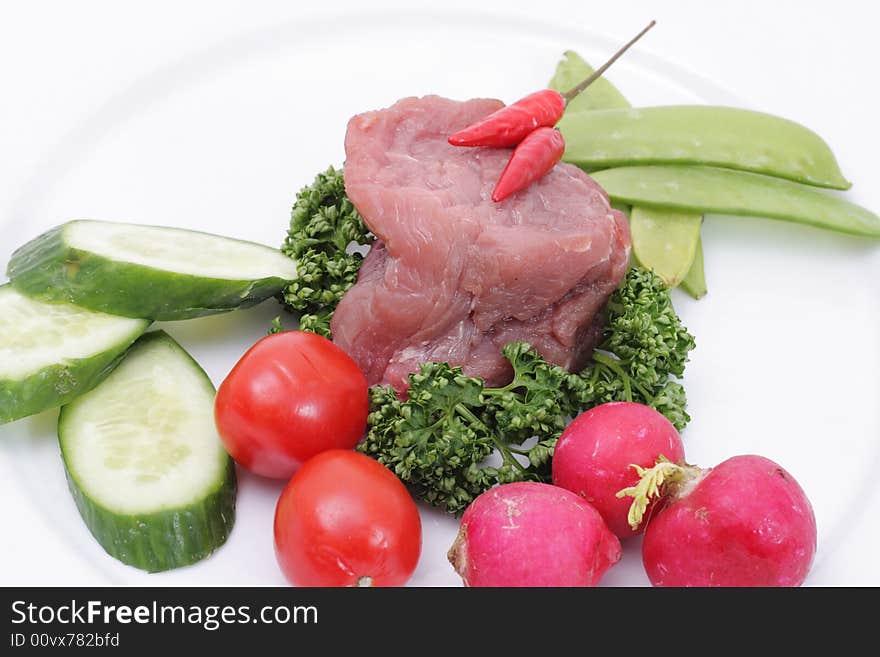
<point x="595" y="452"/>
<point x="745" y="522"/>
<point x="531" y="534"/>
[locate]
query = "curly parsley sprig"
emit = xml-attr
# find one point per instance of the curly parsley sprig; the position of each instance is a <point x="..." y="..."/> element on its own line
<point x="438" y="439"/>
<point x="323" y="223"/>
<point x="643" y="351"/>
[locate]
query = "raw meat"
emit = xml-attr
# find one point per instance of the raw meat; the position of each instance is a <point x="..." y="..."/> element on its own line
<point x="454" y="276"/>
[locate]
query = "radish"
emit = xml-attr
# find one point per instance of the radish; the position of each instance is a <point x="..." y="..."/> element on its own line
<point x="593" y="456"/>
<point x="531" y="534"/>
<point x="745" y="522"/>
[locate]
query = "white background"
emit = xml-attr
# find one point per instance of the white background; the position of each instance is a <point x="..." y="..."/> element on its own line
<point x="815" y="62"/>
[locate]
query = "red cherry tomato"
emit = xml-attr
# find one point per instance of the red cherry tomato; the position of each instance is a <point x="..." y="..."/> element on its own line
<point x="291" y="396"/>
<point x="346" y="520"/>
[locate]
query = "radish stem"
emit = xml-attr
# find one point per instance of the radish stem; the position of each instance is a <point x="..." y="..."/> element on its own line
<point x="665" y="475"/>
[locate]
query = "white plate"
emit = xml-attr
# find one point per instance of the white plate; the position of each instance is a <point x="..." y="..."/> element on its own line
<point x="222" y="140"/>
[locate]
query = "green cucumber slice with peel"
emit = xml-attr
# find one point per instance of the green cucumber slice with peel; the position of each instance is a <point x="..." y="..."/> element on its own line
<point x="51" y="353"/>
<point x="147" y="271"/>
<point x="143" y="460"/>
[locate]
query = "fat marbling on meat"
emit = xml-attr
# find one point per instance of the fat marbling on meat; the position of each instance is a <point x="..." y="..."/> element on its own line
<point x="455" y="276"/>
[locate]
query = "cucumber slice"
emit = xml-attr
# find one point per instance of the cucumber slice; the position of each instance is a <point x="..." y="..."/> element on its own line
<point x="51" y="353"/>
<point x="144" y="462"/>
<point x="147" y="271"/>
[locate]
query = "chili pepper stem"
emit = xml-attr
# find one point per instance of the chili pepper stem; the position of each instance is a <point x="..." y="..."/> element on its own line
<point x="510" y="125"/>
<point x="574" y="91"/>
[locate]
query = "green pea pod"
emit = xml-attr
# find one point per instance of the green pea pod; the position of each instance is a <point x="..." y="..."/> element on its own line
<point x="665" y="242"/>
<point x="695" y="281"/>
<point x="704" y="190"/>
<point x="570" y="70"/>
<point x="700" y="134"/>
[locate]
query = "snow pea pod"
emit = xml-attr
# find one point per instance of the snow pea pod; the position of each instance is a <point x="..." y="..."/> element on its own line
<point x="570" y="70"/>
<point x="695" y="281"/>
<point x="665" y="242"/>
<point x="700" y="134"/>
<point x="703" y="190"/>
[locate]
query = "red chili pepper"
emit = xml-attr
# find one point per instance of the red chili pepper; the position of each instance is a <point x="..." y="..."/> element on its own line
<point x="509" y="125"/>
<point x="532" y="159"/>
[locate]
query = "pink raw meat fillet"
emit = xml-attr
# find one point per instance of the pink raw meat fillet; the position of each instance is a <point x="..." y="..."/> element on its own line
<point x="454" y="276"/>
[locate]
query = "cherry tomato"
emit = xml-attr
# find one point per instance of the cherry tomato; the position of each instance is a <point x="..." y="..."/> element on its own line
<point x="346" y="520"/>
<point x="291" y="396"/>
